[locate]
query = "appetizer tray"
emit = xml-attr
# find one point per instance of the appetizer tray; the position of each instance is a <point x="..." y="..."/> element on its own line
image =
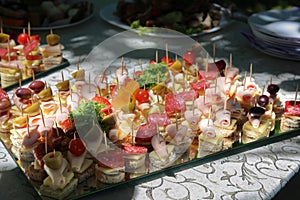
<point x="109" y="129"/>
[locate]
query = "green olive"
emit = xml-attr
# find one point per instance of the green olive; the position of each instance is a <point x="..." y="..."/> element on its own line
<point x="53" y="159"/>
<point x="52" y="39"/>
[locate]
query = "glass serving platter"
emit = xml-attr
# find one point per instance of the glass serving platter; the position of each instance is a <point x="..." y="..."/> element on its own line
<point x="184" y="160"/>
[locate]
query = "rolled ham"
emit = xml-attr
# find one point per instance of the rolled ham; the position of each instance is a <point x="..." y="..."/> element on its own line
<point x="160" y="147"/>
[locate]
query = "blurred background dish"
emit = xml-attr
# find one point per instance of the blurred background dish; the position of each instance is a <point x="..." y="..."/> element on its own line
<point x="44" y="15"/>
<point x="192" y="22"/>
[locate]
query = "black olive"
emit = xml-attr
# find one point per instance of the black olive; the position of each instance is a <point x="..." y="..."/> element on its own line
<point x="23" y="93"/>
<point x="263" y="101"/>
<point x="273" y="89"/>
<point x="256" y="112"/>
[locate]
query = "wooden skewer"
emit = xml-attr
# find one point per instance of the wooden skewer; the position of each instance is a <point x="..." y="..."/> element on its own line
<point x="167" y="54"/>
<point x="214" y="52"/>
<point x="62" y="76"/>
<point x="250" y="72"/>
<point x="60" y="105"/>
<point x="122" y="66"/>
<point x="132" y="132"/>
<point x="230" y="61"/>
<point x="206" y="68"/>
<point x="244" y="81"/>
<point x="27" y="124"/>
<point x="43" y="119"/>
<point x="296" y="95"/>
<point x="8" y="51"/>
<point x="46" y="142"/>
<point x="105" y="141"/>
<point x="56" y="128"/>
<point x="89" y="82"/>
<point x="29" y="33"/>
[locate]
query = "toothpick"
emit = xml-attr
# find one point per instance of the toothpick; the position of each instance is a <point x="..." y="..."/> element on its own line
<point x="71" y="94"/>
<point x="42" y="115"/>
<point x="29" y="33"/>
<point x="51" y="31"/>
<point x="132" y="132"/>
<point x="8" y="51"/>
<point x="296" y="95"/>
<point x="270" y="79"/>
<point x="206" y="68"/>
<point x="46" y="142"/>
<point x="225" y="73"/>
<point x="105" y="141"/>
<point x="214" y="52"/>
<point x="193" y="108"/>
<point x="176" y="118"/>
<point x="33" y="75"/>
<point x="89" y="82"/>
<point x="176" y="57"/>
<point x="225" y="104"/>
<point x="60" y="105"/>
<point x="27" y="124"/>
<point x="56" y="128"/>
<point x="244" y="81"/>
<point x="122" y="66"/>
<point x="204" y="90"/>
<point x="156" y="56"/>
<point x="250" y="72"/>
<point x="167" y="54"/>
<point x="230" y="61"/>
<point x="77" y="66"/>
<point x="62" y="76"/>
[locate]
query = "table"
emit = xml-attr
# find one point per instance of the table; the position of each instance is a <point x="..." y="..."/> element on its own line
<point x="255" y="174"/>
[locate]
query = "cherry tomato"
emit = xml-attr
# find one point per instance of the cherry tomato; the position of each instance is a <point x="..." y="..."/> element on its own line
<point x="137" y="73"/>
<point x="152" y="62"/>
<point x="23" y="38"/>
<point x="108" y="109"/>
<point x="76" y="147"/>
<point x="170" y="60"/>
<point x="101" y="100"/>
<point x="189" y="57"/>
<point x="142" y="96"/>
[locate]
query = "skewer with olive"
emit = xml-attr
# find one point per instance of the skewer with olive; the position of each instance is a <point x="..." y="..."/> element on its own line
<point x="254" y="115"/>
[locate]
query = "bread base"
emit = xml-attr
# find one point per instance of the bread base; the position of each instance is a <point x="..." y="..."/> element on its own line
<point x="115" y="177"/>
<point x="59" y="193"/>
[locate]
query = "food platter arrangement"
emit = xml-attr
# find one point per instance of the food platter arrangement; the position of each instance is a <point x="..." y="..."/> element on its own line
<point x="97" y="128"/>
<point x="27" y="57"/>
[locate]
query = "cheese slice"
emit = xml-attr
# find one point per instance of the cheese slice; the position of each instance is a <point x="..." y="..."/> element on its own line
<point x="215" y="140"/>
<point x="48" y="182"/>
<point x="86" y="164"/>
<point x="76" y="161"/>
